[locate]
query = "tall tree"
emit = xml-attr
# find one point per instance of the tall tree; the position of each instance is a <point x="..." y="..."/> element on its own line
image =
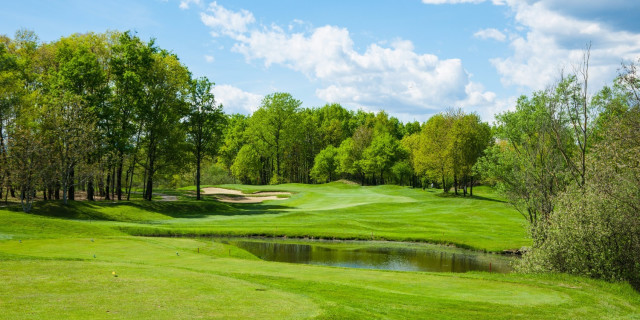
<point x="204" y="124"/>
<point x="131" y="64"/>
<point x="273" y="125"/>
<point x="164" y="141"/>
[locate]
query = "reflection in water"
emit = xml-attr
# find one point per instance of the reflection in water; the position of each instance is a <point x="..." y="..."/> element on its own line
<point x="428" y="258"/>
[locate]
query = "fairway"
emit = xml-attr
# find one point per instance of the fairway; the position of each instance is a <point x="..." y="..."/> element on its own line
<point x="330" y="211"/>
<point x="61" y="260"/>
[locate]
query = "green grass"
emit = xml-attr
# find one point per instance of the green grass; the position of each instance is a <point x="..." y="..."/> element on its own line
<point x="334" y="210"/>
<point x="58" y="261"/>
<point x="60" y="278"/>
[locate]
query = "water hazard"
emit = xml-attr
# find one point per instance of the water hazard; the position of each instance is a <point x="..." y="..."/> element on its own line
<point x="376" y="255"/>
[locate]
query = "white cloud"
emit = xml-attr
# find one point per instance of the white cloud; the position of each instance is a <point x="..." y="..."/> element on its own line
<point x="226" y="22"/>
<point x="490" y="33"/>
<point x="184" y="4"/>
<point x="394" y="77"/>
<point x="235" y="100"/>
<point x="554" y="40"/>
<point x="209" y="58"/>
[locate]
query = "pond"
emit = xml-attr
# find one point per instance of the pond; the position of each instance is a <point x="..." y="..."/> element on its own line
<point x="374" y="255"/>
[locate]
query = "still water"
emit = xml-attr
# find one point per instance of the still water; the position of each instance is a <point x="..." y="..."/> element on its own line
<point x="380" y="255"/>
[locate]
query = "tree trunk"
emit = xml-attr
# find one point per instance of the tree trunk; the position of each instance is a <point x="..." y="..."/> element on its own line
<point x="119" y="178"/>
<point x="90" y="190"/>
<point x="471" y="188"/>
<point x="455" y="184"/>
<point x="113" y="183"/>
<point x="106" y="193"/>
<point x="57" y="194"/>
<point x="149" y="191"/>
<point x="198" y="176"/>
<point x="72" y="190"/>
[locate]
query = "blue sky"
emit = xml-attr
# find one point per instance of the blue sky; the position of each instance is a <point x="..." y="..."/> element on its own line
<point x="411" y="58"/>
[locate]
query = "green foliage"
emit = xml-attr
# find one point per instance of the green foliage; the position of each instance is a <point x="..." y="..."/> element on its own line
<point x="325" y="165"/>
<point x="595" y="230"/>
<point x="246" y="166"/>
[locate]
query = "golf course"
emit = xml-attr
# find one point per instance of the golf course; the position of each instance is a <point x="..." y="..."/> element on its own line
<point x="160" y="260"/>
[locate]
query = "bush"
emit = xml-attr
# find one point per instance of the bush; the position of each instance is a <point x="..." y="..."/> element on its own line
<point x="595" y="231"/>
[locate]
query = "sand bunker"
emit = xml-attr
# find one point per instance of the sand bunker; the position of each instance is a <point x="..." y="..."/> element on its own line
<point x="235" y="196"/>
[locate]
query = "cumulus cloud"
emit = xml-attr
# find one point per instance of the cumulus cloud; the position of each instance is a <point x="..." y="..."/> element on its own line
<point x="209" y="58"/>
<point x="394" y="77"/>
<point x="490" y="33"/>
<point x="554" y="40"/>
<point x="184" y="4"/>
<point x="226" y="22"/>
<point x="235" y="100"/>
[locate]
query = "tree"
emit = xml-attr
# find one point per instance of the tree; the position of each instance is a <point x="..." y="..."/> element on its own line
<point x="25" y="158"/>
<point x="383" y="151"/>
<point x="471" y="137"/>
<point x="164" y="141"/>
<point x="272" y="124"/>
<point x="246" y="165"/>
<point x="234" y="138"/>
<point x="434" y="153"/>
<point x="132" y="66"/>
<point x="204" y="124"/>
<point x="325" y="165"/>
<point x="350" y="155"/>
<point x="526" y="162"/>
<point x="595" y="229"/>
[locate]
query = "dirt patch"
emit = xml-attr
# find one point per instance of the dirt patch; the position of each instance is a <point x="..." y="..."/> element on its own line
<point x="235" y="196"/>
<point x="243" y="199"/>
<point x="220" y="191"/>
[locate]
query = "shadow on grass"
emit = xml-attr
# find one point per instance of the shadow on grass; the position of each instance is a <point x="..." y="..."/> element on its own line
<point x="461" y="196"/>
<point x="204" y="208"/>
<point x="190" y="209"/>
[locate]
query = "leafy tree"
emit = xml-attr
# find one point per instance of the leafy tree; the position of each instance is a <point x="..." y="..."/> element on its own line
<point x="595" y="229"/>
<point x="381" y="154"/>
<point x="334" y="124"/>
<point x="350" y="156"/>
<point x="164" y="140"/>
<point x="273" y="125"/>
<point x="325" y="165"/>
<point x="234" y="138"/>
<point x="246" y="165"/>
<point x="471" y="137"/>
<point x="525" y="161"/>
<point x="132" y="66"/>
<point x="204" y="124"/>
<point x="434" y="154"/>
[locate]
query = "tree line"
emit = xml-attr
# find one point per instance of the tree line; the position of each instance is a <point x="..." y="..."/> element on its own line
<point x="95" y="111"/>
<point x="110" y="112"/>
